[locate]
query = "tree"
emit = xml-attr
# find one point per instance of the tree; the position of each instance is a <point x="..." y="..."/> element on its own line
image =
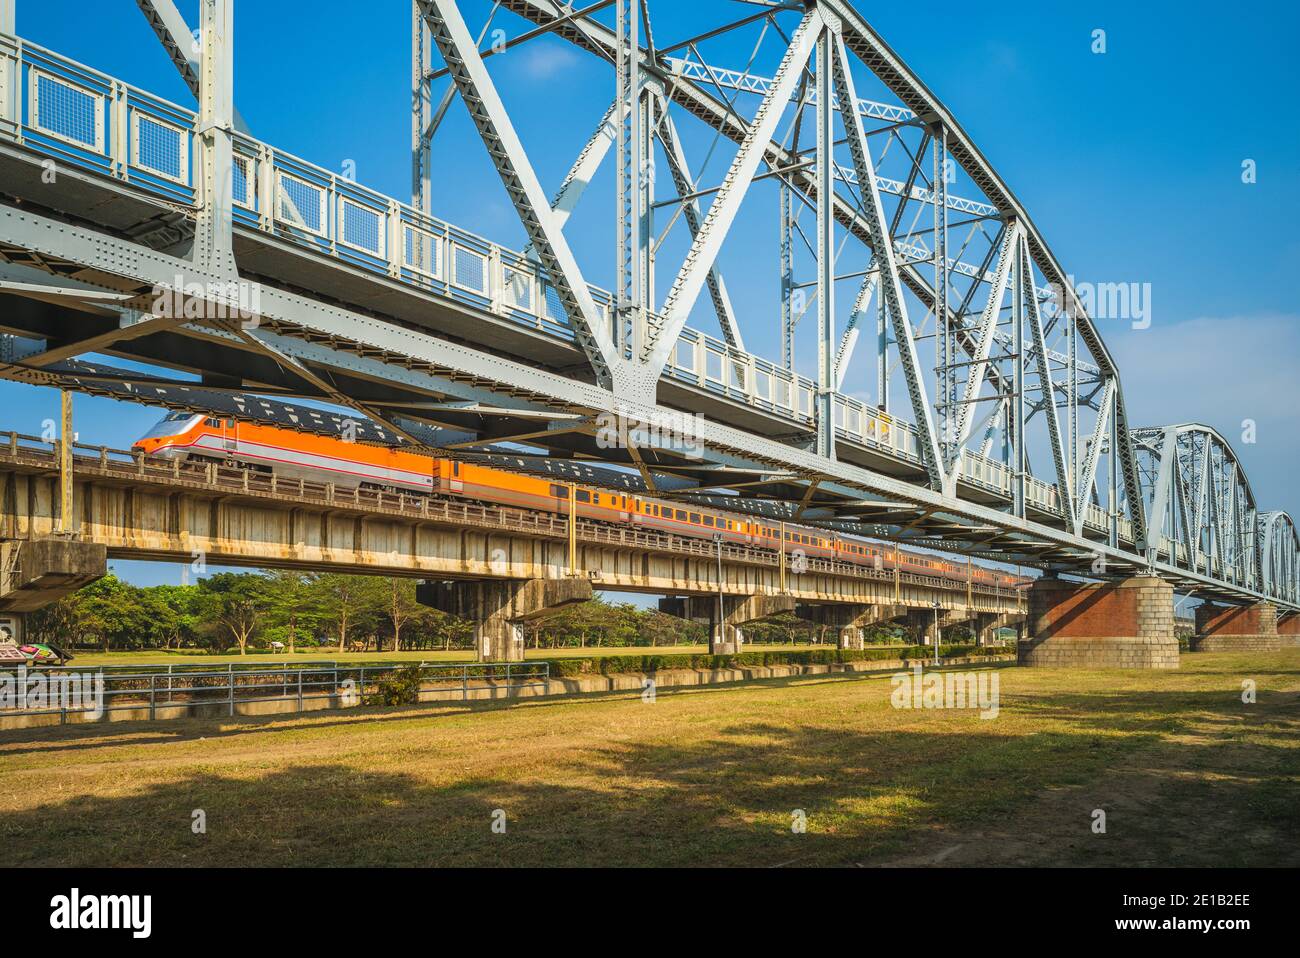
<point x="241" y="600"/>
<point x="292" y="604"/>
<point x="343" y="599"/>
<point x="111" y="613"/>
<point x="401" y="607"/>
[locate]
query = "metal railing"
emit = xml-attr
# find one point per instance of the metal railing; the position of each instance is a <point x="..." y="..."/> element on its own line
<point x="91" y="120"/>
<point x="147" y="692"/>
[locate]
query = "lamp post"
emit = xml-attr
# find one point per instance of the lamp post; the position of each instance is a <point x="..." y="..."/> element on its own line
<point x="722" y="628"/>
<point x="937" y="607"/>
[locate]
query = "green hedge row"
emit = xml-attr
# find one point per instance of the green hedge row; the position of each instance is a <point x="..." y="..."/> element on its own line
<point x="612" y="664"/>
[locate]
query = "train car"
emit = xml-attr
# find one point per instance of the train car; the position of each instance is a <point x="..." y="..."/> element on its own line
<point x="288" y="453"/>
<point x="351" y="465"/>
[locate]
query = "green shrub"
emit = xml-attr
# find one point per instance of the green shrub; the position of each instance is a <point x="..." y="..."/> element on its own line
<point x="615" y="664"/>
<point x="402" y="687"/>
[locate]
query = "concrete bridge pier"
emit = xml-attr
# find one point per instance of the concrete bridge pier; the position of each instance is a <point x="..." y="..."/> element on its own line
<point x="1126" y="624"/>
<point x="849" y="620"/>
<point x="36" y="572"/>
<point x="923" y="621"/>
<point x="726" y="637"/>
<point x="499" y="607"/>
<point x="987" y="625"/>
<point x="1223" y="628"/>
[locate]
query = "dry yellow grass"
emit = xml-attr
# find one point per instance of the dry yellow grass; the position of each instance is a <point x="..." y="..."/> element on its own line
<point x="1186" y="772"/>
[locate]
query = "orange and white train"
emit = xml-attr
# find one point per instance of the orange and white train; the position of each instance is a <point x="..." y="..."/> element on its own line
<point x="294" y="454"/>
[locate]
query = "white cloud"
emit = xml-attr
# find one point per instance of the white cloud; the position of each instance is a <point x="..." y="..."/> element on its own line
<point x="542" y="61"/>
<point x="1222" y="372"/>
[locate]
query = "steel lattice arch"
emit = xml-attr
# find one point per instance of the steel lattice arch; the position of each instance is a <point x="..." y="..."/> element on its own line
<point x="963" y="397"/>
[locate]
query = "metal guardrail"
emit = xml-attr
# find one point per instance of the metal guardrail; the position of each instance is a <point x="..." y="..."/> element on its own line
<point x="135" y="467"/>
<point x="129" y="688"/>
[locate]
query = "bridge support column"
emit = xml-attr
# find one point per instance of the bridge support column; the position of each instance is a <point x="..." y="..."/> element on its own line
<point x="850" y="620"/>
<point x="922" y="620"/>
<point x="499" y="607"/>
<point x="987" y="624"/>
<point x="727" y="637"/>
<point x="1127" y="624"/>
<point x="1288" y="631"/>
<point x="1223" y="628"/>
<point x="37" y="572"/>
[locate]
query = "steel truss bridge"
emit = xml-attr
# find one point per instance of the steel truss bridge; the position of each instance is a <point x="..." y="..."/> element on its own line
<point x="168" y="235"/>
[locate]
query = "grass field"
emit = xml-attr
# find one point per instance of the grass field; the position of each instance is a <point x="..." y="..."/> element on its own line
<point x="330" y="655"/>
<point x="1186" y="773"/>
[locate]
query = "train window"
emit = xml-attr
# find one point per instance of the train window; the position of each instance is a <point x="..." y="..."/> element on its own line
<point x="595" y="497"/>
<point x="708" y="520"/>
<point x="455" y="468"/>
<point x="559" y="492"/>
<point x="695" y="517"/>
<point x="211" y="422"/>
<point x="230" y="424"/>
<point x="681" y="514"/>
<point x="584" y="495"/>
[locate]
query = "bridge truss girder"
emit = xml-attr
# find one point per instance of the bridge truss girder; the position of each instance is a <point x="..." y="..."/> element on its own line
<point x="869" y="49"/>
<point x="1200" y="502"/>
<point x="446" y="397"/>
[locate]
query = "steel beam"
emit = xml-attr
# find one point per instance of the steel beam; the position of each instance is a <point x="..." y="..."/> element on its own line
<point x="489" y="114"/>
<point x="987" y="334"/>
<point x="214" y="231"/>
<point x="1064" y="481"/>
<point x="1088" y="476"/>
<point x="183" y="46"/>
<point x="826" y="380"/>
<point x="726" y="204"/>
<point x="891" y="285"/>
<point x="679" y="168"/>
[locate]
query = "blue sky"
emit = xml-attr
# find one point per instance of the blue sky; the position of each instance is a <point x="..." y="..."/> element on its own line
<point x="1129" y="162"/>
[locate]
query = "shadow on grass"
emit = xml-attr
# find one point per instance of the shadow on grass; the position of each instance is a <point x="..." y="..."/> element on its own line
<point x="730" y="800"/>
<point x="869" y="796"/>
<point x="94" y="735"/>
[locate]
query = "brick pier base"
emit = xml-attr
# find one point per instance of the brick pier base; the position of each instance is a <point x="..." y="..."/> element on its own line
<point x="1230" y="628"/>
<point x="1288" y="631"/>
<point x="1121" y="625"/>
